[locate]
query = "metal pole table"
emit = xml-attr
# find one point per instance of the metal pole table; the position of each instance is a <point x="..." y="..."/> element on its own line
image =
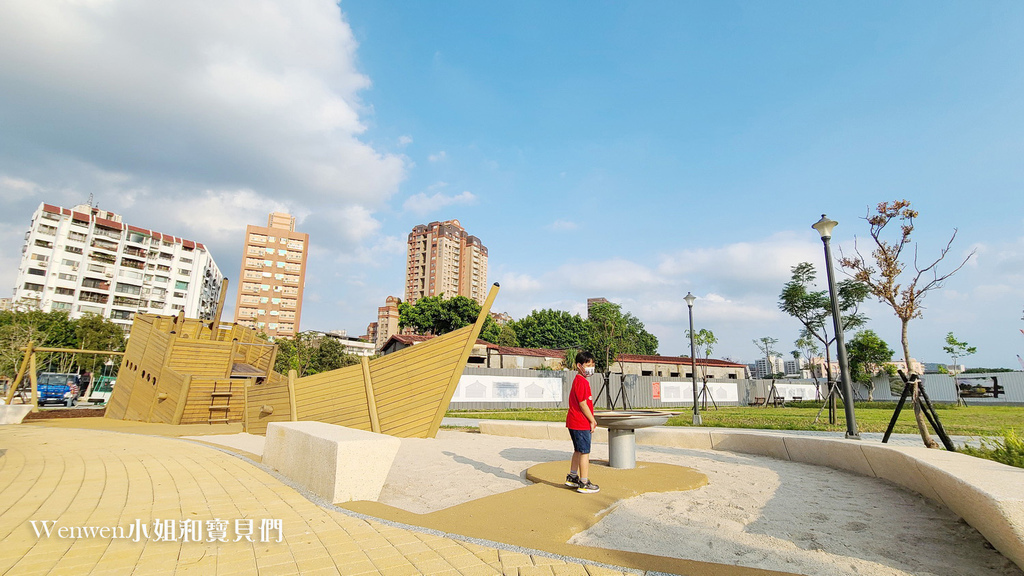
<point x="622" y="426"/>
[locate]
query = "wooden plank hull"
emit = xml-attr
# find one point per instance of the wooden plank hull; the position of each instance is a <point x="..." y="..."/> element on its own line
<point x="403" y="394"/>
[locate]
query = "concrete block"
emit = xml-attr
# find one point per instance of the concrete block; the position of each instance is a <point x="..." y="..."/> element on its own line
<point x="336" y="463"/>
<point x="675" y="437"/>
<point x="750" y="443"/>
<point x="838" y="454"/>
<point x="14" y="414"/>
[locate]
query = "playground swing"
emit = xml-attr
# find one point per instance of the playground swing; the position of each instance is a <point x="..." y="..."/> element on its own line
<point x="28" y="370"/>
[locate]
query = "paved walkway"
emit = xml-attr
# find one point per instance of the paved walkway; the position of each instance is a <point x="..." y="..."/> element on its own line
<point x="95" y="479"/>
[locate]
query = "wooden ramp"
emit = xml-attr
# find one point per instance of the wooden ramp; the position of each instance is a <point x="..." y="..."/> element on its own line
<point x="182" y="371"/>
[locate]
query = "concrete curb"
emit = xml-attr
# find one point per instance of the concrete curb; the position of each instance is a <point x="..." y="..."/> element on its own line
<point x="986" y="494"/>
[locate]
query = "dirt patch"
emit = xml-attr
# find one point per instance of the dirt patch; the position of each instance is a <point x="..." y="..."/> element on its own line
<point x="52" y="413"/>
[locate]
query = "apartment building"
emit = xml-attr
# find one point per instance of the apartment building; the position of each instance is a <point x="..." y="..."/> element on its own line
<point x="444" y="259"/>
<point x="86" y="260"/>
<point x="272" y="277"/>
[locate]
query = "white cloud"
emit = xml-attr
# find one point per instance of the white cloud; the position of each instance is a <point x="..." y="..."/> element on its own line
<point x="422" y="204"/>
<point x="220" y="94"/>
<point x="438" y="157"/>
<point x="404" y="140"/>
<point x="562" y="225"/>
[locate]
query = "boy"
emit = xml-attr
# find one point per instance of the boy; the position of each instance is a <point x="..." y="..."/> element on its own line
<point x="581" y="424"/>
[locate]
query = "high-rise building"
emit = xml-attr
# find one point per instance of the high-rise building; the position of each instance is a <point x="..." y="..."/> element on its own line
<point x="761" y="369"/>
<point x="387" y="321"/>
<point x="272" y="277"/>
<point x="444" y="259"/>
<point x="86" y="260"/>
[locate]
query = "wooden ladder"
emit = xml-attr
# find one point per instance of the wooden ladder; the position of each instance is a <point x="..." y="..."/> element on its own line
<point x="219" y="413"/>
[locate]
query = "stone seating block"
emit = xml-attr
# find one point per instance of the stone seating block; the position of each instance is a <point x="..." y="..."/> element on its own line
<point x="336" y="463"/>
<point x="675" y="437"/>
<point x="14" y="414"/>
<point x="839" y="454"/>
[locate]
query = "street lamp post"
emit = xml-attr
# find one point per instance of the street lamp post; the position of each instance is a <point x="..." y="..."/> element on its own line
<point x="824" y="227"/>
<point x="693" y="361"/>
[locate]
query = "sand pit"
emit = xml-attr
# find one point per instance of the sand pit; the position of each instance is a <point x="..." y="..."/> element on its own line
<point x="755" y="511"/>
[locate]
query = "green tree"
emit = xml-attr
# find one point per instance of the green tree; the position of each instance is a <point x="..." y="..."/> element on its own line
<point x="704" y="343"/>
<point x="507" y="336"/>
<point x="555" y="329"/>
<point x="438" y="315"/>
<point x="813" y="308"/>
<point x="807" y="350"/>
<point x="329" y="355"/>
<point x="867" y="355"/>
<point x="956" y="350"/>
<point x="296" y="353"/>
<point x="94" y="332"/>
<point x="610" y="332"/>
<point x="766" y="345"/>
<point x="900" y="280"/>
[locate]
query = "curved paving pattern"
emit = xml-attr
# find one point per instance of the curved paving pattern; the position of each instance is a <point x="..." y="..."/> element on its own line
<point x="95" y="479"/>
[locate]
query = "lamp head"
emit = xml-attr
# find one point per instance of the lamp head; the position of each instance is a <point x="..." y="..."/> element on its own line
<point x="689" y="299"/>
<point x="825" y="226"/>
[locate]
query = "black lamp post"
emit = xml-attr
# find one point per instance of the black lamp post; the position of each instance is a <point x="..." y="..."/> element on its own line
<point x="824" y="227"/>
<point x="693" y="361"/>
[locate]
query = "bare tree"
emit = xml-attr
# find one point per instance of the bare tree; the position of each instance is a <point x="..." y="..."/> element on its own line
<point x="899" y="279"/>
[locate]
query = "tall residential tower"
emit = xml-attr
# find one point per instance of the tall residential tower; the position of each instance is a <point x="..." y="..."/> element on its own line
<point x="444" y="259"/>
<point x="272" y="277"/>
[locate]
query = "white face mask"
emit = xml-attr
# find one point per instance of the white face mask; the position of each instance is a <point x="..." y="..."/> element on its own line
<point x="589" y="370"/>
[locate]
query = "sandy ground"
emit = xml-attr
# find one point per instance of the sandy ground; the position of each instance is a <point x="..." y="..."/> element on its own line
<point x="755" y="511"/>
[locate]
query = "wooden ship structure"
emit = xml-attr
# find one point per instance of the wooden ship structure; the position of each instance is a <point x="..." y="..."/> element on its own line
<point x="177" y="370"/>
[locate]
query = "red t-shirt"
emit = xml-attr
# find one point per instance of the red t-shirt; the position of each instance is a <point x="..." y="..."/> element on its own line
<point x="575" y="419"/>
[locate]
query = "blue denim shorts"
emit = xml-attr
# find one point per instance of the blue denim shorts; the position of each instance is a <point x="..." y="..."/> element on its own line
<point x="580" y="440"/>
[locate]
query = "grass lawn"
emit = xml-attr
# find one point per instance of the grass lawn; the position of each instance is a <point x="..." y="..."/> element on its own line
<point x="964" y="421"/>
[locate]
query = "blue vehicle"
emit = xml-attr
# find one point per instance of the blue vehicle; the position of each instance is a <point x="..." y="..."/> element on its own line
<point x="62" y="388"/>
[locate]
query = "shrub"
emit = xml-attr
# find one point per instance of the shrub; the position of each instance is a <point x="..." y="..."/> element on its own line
<point x="1010" y="451"/>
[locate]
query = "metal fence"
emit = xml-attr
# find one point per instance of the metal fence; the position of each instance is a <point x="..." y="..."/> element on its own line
<point x="639" y="391"/>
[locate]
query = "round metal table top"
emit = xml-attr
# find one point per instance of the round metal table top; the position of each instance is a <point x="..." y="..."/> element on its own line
<point x="631" y="419"/>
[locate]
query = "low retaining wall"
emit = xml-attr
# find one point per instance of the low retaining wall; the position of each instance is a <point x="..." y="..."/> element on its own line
<point x="986" y="494"/>
<point x="336" y="463"/>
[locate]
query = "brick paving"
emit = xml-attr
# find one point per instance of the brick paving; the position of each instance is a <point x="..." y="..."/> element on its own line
<point x="94" y="478"/>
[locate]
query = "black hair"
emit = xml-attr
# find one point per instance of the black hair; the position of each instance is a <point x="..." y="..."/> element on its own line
<point x="582" y="357"/>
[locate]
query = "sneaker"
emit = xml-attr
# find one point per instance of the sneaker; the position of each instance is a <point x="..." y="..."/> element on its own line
<point x="572" y="481"/>
<point x="588" y="488"/>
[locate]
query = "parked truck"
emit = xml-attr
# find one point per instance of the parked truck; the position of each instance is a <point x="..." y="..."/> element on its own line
<point x="56" y="387"/>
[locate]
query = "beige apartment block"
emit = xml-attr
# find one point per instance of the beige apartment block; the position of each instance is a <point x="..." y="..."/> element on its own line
<point x="444" y="259"/>
<point x="387" y="321"/>
<point x="272" y="277"/>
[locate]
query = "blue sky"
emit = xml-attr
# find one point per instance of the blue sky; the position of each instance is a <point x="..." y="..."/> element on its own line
<point x="634" y="151"/>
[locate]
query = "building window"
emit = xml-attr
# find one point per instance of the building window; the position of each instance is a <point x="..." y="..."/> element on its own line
<point x="48" y="230"/>
<point x="44" y="244"/>
<point x="37" y="272"/>
<point x="61" y="306"/>
<point x="73" y="249"/>
<point x="732" y="376"/>
<point x="180" y="285"/>
<point x="69" y="277"/>
<point x="65" y="291"/>
<point x="121" y="315"/>
<point x="127" y="289"/>
<point x="33" y="286"/>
